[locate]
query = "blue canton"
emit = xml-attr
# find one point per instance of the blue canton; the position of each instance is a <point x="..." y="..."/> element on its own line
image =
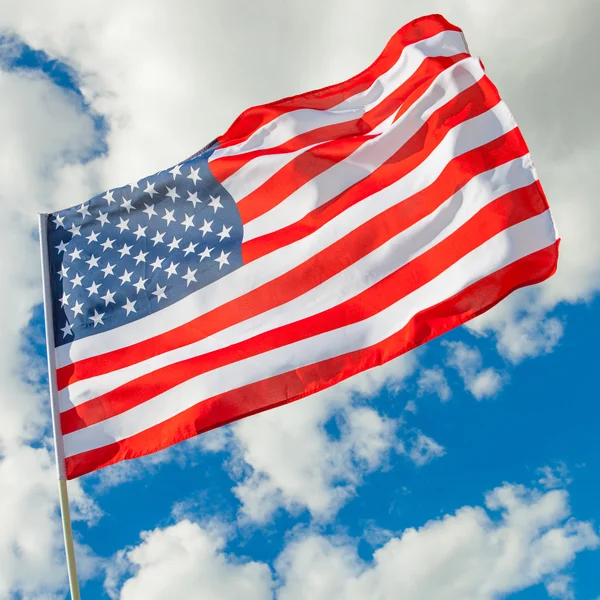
<point x="136" y="249"/>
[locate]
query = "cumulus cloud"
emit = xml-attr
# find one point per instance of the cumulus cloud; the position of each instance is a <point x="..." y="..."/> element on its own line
<point x="423" y="449"/>
<point x="31" y="546"/>
<point x="467" y="360"/>
<point x="188" y="561"/>
<point x="561" y="587"/>
<point x="290" y="461"/>
<point x="552" y="477"/>
<point x="469" y="554"/>
<point x="43" y="128"/>
<point x="520" y="538"/>
<point x="433" y="381"/>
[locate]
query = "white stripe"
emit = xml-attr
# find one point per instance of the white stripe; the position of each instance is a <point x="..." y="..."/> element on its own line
<point x="359" y="276"/>
<point x="292" y="124"/>
<point x="508" y="246"/>
<point x="368" y="157"/>
<point x="462" y="138"/>
<point x="253" y="174"/>
<point x="258" y="170"/>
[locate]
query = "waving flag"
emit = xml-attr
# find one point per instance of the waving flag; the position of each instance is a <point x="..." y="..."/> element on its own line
<point x="322" y="235"/>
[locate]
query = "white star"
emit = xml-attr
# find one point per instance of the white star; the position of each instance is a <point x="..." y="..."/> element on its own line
<point x="65" y="299"/>
<point x="102" y="218"/>
<point x="171" y="270"/>
<point x="93" y="262"/>
<point x="108" y="270"/>
<point x="193" y="198"/>
<point x="206" y="227"/>
<point x="149" y="210"/>
<point x="189" y="276"/>
<point x="172" y="193"/>
<point x="129" y="306"/>
<point x="123" y="224"/>
<point x="190" y="248"/>
<point x="108" y="298"/>
<point x="59" y="221"/>
<point x="159" y="292"/>
<point x="225" y="233"/>
<point x="134" y="186"/>
<point x="141" y="257"/>
<point x="188" y="221"/>
<point x="175" y="171"/>
<point x="97" y="318"/>
<point x="67" y="330"/>
<point x="76" y="308"/>
<point x="109" y="197"/>
<point x="83" y="210"/>
<point x="93" y="237"/>
<point x="108" y="243"/>
<point x="169" y="218"/>
<point x="140" y="232"/>
<point x="77" y="280"/>
<point x="215" y="202"/>
<point x="126" y="204"/>
<point x="157" y="264"/>
<point x="174" y="244"/>
<point x="62" y="247"/>
<point x="158" y="238"/>
<point x="126" y="277"/>
<point x="125" y="250"/>
<point x="194" y="175"/>
<point x="140" y="285"/>
<point x="222" y="260"/>
<point x="93" y="289"/>
<point x="205" y="253"/>
<point x="63" y="272"/>
<point x="75" y="230"/>
<point x="76" y="254"/>
<point x="150" y="189"/>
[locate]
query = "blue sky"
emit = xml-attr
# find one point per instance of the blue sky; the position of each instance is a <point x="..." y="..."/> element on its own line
<point x="521" y="416"/>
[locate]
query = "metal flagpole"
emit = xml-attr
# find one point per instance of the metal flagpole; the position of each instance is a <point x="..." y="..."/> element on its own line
<point x="58" y="442"/>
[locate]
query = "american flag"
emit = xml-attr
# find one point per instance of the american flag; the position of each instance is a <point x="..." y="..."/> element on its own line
<point x="321" y="235"/>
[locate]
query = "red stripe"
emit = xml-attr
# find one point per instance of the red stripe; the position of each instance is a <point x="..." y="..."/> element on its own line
<point x="293" y="385"/>
<point x="258" y="116"/>
<point x="222" y="168"/>
<point x="471" y="103"/>
<point x="309" y="274"/>
<point x="315" y="161"/>
<point x="500" y="214"/>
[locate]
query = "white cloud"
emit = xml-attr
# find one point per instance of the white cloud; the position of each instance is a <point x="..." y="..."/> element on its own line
<point x="188" y="561"/>
<point x="433" y="381"/>
<point x="521" y="538"/>
<point x="423" y="450"/>
<point x="554" y="477"/>
<point x="43" y="128"/>
<point x="31" y="555"/>
<point x="285" y="458"/>
<point x="519" y="336"/>
<point x="561" y="587"/>
<point x="469" y="554"/>
<point x="482" y="383"/>
<point x="411" y="407"/>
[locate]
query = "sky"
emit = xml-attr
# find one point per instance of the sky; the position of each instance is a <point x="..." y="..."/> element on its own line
<point x="467" y="469"/>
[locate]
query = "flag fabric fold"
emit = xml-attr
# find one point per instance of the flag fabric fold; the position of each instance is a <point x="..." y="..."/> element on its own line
<point x="321" y="235"/>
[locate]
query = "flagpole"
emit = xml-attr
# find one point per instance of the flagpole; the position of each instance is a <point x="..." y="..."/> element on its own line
<point x="59" y="451"/>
